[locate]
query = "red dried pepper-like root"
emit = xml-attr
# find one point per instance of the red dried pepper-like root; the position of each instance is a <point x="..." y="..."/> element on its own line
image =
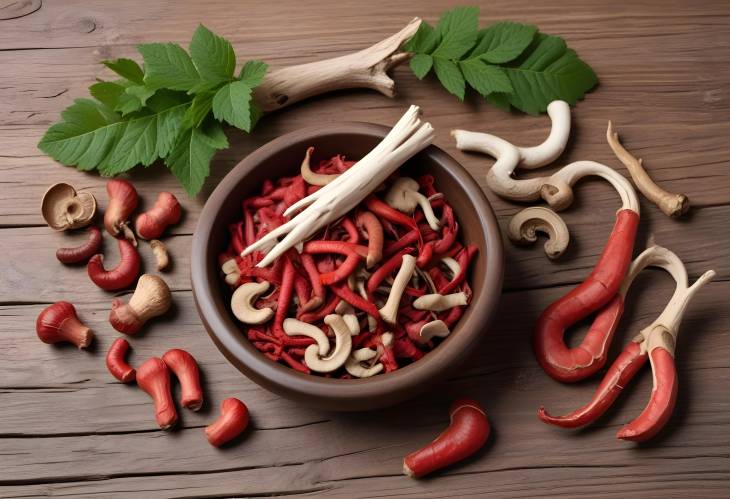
<point x="122" y="202"/>
<point x="152" y="223"/>
<point x="368" y="222"/>
<point x="186" y="369"/>
<point x="661" y="404"/>
<point x="58" y="323"/>
<point x="83" y="252"/>
<point x="573" y="364"/>
<point x="153" y="376"/>
<point x="120" y="276"/>
<point x="116" y="363"/>
<point x="231" y="423"/>
<point x="466" y="434"/>
<point x="617" y="377"/>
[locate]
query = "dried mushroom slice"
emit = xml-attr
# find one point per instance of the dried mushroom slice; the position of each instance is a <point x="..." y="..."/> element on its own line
<point x="63" y="208"/>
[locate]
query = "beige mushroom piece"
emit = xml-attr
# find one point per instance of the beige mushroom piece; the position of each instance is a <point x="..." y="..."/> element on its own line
<point x="343" y="346"/>
<point x="312" y="178"/>
<point x="438" y="303"/>
<point x="295" y="327"/>
<point x="354" y="363"/>
<point x="230" y="270"/>
<point x="389" y="311"/>
<point x="403" y="195"/>
<point x="242" y="303"/>
<point x="434" y="329"/>
<point x="408" y="137"/>
<point x="524" y="226"/>
<point x="63" y="208"/>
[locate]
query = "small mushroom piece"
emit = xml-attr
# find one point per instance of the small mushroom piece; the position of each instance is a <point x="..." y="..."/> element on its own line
<point x="403" y="195"/>
<point x="242" y="303"/>
<point x="524" y="226"/>
<point x="438" y="303"/>
<point x="314" y="178"/>
<point x="354" y="364"/>
<point x="230" y="270"/>
<point x="63" y="208"/>
<point x="434" y="329"/>
<point x="295" y="327"/>
<point x="453" y="266"/>
<point x="162" y="256"/>
<point x="343" y="346"/>
<point x="389" y="311"/>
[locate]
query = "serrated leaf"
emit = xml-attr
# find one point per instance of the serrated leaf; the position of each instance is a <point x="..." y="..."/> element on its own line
<point x="503" y="42"/>
<point x="499" y="100"/>
<point x="126" y="68"/>
<point x="127" y="104"/>
<point x="424" y="41"/>
<point x="485" y="78"/>
<point x="84" y="137"/>
<point x="167" y="65"/>
<point x="212" y="133"/>
<point x="198" y="110"/>
<point x="107" y="92"/>
<point x="212" y="55"/>
<point x="190" y="159"/>
<point x="449" y="75"/>
<point x="231" y="104"/>
<point x="256" y="113"/>
<point x="421" y="64"/>
<point x="548" y="71"/>
<point x="457" y="30"/>
<point x="253" y="72"/>
<point x="141" y="92"/>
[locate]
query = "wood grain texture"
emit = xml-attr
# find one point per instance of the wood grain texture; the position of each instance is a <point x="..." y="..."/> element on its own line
<point x="68" y="428"/>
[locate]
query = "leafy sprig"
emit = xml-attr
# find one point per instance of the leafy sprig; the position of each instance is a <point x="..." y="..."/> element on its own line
<point x="509" y="64"/>
<point x="172" y="109"/>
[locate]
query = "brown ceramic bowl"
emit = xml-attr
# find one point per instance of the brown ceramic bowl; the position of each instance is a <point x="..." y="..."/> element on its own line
<point x="282" y="157"/>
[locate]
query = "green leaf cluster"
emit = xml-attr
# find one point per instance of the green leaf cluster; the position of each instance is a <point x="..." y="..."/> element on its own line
<point x="171" y="108"/>
<point x="509" y="64"/>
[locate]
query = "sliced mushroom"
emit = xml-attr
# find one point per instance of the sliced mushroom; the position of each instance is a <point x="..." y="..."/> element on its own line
<point x="63" y="208"/>
<point x="343" y="346"/>
<point x="438" y="303"/>
<point x="389" y="311"/>
<point x="242" y="303"/>
<point x="294" y="327"/>
<point x="314" y="178"/>
<point x="403" y="195"/>
<point x="524" y="226"/>
<point x="434" y="329"/>
<point x="453" y="266"/>
<point x="354" y="364"/>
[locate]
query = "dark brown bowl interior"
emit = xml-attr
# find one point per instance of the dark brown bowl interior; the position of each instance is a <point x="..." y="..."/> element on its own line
<point x="282" y="157"/>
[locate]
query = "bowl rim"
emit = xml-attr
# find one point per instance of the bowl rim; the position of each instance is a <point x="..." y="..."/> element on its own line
<point x="245" y="357"/>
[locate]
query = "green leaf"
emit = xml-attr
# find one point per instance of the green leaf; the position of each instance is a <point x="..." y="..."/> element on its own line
<point x="212" y="55"/>
<point x="190" y="159"/>
<point x="485" y="78"/>
<point x="231" y="104"/>
<point x="421" y="64"/>
<point x="499" y="100"/>
<point x="107" y="92"/>
<point x="424" y="41"/>
<point x="126" y="68"/>
<point x="457" y="29"/>
<point x="212" y="133"/>
<point x="503" y="42"/>
<point x="168" y="65"/>
<point x="449" y="75"/>
<point x="128" y="103"/>
<point x="253" y="72"/>
<point x="84" y="137"/>
<point x="256" y="113"/>
<point x="548" y="71"/>
<point x="199" y="109"/>
<point x="141" y="92"/>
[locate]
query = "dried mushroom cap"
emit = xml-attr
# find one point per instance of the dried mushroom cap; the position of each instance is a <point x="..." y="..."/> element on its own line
<point x="63" y="208"/>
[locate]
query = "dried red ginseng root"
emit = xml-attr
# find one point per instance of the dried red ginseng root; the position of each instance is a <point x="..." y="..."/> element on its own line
<point x="231" y="423"/>
<point x="466" y="434"/>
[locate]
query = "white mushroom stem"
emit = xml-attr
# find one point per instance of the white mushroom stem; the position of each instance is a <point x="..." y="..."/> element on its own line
<point x="389" y="311"/>
<point x="343" y="346"/>
<point x="363" y="69"/>
<point x="372" y="321"/>
<point x="555" y="189"/>
<point x="352" y="323"/>
<point x="354" y="363"/>
<point x="314" y="178"/>
<point x="403" y="195"/>
<point x="242" y="303"/>
<point x="453" y="266"/>
<point x="524" y="226"/>
<point x="229" y="266"/>
<point x="438" y="303"/>
<point x="672" y="205"/>
<point x="663" y="331"/>
<point x="295" y="327"/>
<point x="409" y="136"/>
<point x="434" y="329"/>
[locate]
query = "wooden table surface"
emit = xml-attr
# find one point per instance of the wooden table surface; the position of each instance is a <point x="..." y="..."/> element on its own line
<point x="68" y="428"/>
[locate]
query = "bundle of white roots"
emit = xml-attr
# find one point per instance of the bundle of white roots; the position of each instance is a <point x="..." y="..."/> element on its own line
<point x="555" y="189"/>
